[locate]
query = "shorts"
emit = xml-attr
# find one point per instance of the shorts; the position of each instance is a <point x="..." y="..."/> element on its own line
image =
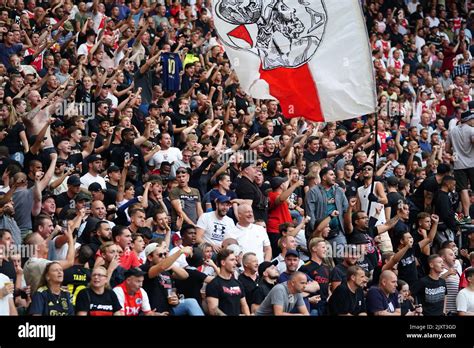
<point x="464" y="177"/>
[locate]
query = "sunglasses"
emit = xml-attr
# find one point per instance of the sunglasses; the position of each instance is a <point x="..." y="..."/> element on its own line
<point x="163" y="254"/>
<point x="181" y="172"/>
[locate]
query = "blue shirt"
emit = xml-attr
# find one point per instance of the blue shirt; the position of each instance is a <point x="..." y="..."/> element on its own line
<point x="6" y="52"/>
<point x="377" y="301"/>
<point x="172" y="66"/>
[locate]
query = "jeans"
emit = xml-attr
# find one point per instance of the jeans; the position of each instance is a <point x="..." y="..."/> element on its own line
<point x="188" y="306"/>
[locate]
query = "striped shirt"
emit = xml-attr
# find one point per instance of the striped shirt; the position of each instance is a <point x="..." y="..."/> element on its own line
<point x="452" y="285"/>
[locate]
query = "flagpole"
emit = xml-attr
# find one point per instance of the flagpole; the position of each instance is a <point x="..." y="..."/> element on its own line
<point x="375" y="162"/>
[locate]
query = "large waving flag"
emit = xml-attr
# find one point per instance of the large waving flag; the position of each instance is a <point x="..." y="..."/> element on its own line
<point x="311" y="55"/>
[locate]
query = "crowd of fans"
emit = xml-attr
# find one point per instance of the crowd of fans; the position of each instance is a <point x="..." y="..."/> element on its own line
<point x="138" y="178"/>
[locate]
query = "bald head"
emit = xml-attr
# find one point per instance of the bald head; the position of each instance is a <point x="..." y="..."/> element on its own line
<point x="388" y="282"/>
<point x="297" y="282"/>
<point x="20" y="178"/>
<point x="245" y="215"/>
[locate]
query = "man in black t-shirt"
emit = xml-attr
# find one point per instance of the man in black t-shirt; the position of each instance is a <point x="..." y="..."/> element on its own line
<point x="66" y="199"/>
<point x="430" y="291"/>
<point x="225" y="294"/>
<point x="249" y="277"/>
<point x="338" y="274"/>
<point x="160" y="272"/>
<point x="423" y="196"/>
<point x="268" y="276"/>
<point x="348" y="298"/>
<point x="318" y="271"/>
<point x="247" y="189"/>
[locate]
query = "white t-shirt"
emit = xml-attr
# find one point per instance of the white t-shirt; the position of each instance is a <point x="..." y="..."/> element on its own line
<point x="465" y="300"/>
<point x="88" y="179"/>
<point x="215" y="229"/>
<point x="171" y="155"/>
<point x="181" y="261"/>
<point x="252" y="239"/>
<point x="4" y="305"/>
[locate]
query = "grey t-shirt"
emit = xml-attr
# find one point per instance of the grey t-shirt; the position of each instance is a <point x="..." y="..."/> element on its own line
<point x="23" y="200"/>
<point x="461" y="139"/>
<point x="280" y="295"/>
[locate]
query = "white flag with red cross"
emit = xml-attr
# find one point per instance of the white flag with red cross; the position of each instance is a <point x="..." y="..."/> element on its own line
<point x="311" y="55"/>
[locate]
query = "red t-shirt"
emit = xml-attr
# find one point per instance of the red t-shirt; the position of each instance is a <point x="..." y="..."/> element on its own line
<point x="277" y="214"/>
<point x="129" y="259"/>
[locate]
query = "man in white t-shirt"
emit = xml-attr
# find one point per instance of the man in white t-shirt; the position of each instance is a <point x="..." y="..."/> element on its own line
<point x="167" y="152"/>
<point x="213" y="226"/>
<point x="465" y="297"/>
<point x="93" y="175"/>
<point x="252" y="238"/>
<point x="7" y="306"/>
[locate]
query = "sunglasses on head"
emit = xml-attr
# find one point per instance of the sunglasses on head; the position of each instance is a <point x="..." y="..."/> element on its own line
<point x="181" y="172"/>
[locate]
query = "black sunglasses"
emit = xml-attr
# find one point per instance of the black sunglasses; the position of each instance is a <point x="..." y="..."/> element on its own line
<point x="181" y="172"/>
<point x="162" y="254"/>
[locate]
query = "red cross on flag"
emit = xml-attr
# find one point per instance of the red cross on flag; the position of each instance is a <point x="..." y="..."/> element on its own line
<point x="311" y="55"/>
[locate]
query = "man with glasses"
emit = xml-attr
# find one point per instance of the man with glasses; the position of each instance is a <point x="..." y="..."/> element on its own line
<point x="376" y="195"/>
<point x="160" y="270"/>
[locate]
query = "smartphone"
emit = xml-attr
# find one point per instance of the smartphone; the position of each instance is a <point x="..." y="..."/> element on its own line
<point x="88" y="205"/>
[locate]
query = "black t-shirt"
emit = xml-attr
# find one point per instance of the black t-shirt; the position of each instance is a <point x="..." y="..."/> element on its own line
<point x="191" y="287"/>
<point x="11" y="141"/>
<point x="405" y="156"/>
<point x="249" y="286"/>
<point x="407" y="266"/>
<point x="351" y="188"/>
<point x="320" y="274"/>
<point x="97" y="305"/>
<point x="310" y="158"/>
<point x="247" y="189"/>
<point x="431" y="294"/>
<point x="338" y="273"/>
<point x="344" y="301"/>
<point x="76" y="278"/>
<point x="261" y="291"/>
<point x="156" y="288"/>
<point x="8" y="269"/>
<point x="394" y="199"/>
<point x="63" y="201"/>
<point x="229" y="292"/>
<point x="429" y="184"/>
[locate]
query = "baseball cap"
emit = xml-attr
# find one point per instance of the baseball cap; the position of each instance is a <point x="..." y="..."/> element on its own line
<point x="390" y="150"/>
<point x="264" y="265"/>
<point x="95" y="187"/>
<point x="113" y="168"/>
<point x="93" y="158"/>
<point x="246" y="165"/>
<point x="223" y="199"/>
<point x="276" y="181"/>
<point x="74" y="180"/>
<point x="150" y="248"/>
<point x="367" y="164"/>
<point x="134" y="272"/>
<point x="61" y="161"/>
<point x="292" y="252"/>
<point x="82" y="196"/>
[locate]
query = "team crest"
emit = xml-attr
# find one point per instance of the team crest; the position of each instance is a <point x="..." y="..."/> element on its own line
<point x="138" y="301"/>
<point x="282" y="34"/>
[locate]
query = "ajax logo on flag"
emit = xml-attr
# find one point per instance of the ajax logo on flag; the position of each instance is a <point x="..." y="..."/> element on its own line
<point x="283" y="34"/>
